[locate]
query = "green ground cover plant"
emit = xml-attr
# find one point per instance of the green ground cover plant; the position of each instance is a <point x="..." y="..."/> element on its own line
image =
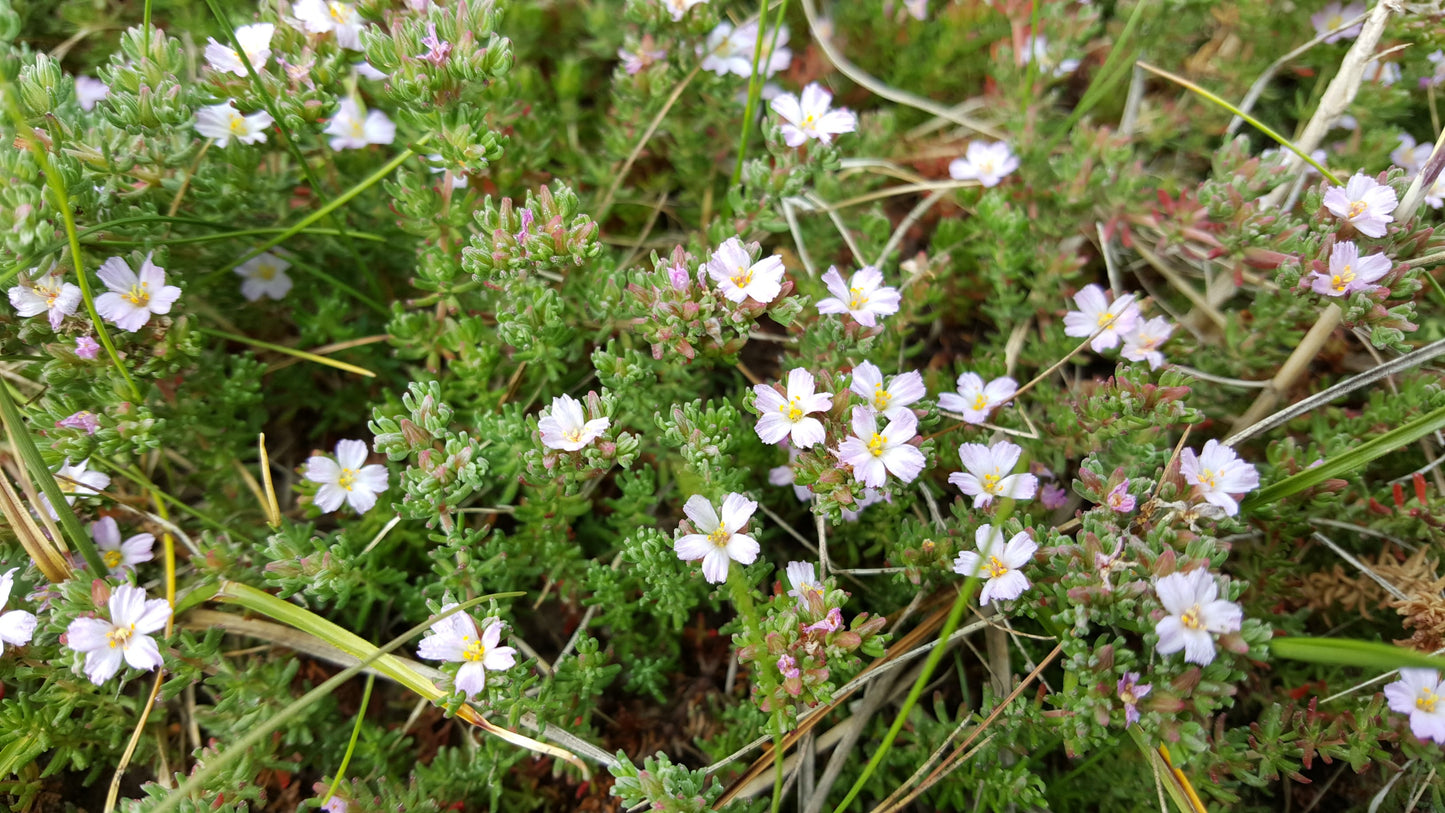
<point x="692" y="405"/>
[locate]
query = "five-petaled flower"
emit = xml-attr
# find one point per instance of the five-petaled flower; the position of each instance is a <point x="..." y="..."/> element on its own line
<point x="1363" y="202"/>
<point x="264" y="275"/>
<point x="1218" y="474"/>
<point x="1420" y="693"/>
<point x="1119" y="499"/>
<point x="46" y="293"/>
<point x="874" y="455"/>
<point x="86" y="347"/>
<point x="807" y="589"/>
<point x="350" y="130"/>
<point x="120" y="557"/>
<point x="83" y="419"/>
<point x="719" y="541"/>
<point x="730" y="50"/>
<point x="1194" y="615"/>
<point x="347" y="478"/>
<point x="889" y="401"/>
<point x="1131" y="691"/>
<point x="1349" y="272"/>
<point x="16" y="626"/>
<point x="322" y="16"/>
<point x="132" y="298"/>
<point x="126" y="637"/>
<point x="1332" y="18"/>
<point x="998" y="563"/>
<point x="1143" y="342"/>
<point x="566" y="427"/>
<point x="1095" y="314"/>
<point x="76" y="481"/>
<point x="224" y="122"/>
<point x="864" y="296"/>
<point x="787" y="416"/>
<point x="987" y="162"/>
<point x="976" y="399"/>
<point x="455" y="639"/>
<point x="738" y="277"/>
<point x="988" y="473"/>
<point x="810" y="117"/>
<point x="255" y="40"/>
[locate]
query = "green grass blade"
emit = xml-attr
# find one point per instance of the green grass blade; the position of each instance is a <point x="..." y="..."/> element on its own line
<point x="1348" y="652"/>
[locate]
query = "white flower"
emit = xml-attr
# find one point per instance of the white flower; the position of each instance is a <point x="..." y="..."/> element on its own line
<point x="811" y="117"/>
<point x="1332" y="18"/>
<point x="988" y="473"/>
<point x="1143" y="342"/>
<point x="76" y="481"/>
<point x="347" y="478"/>
<point x="45" y="293"/>
<point x="16" y="626"/>
<point x="874" y="455"/>
<point x="1364" y="202"/>
<point x="1435" y="195"/>
<point x="917" y="9"/>
<point x="738" y="277"/>
<point x="1410" y="156"/>
<point x="679" y="8"/>
<point x="998" y="563"/>
<point x="89" y="91"/>
<point x="730" y="50"/>
<point x="455" y="639"/>
<point x="224" y="122"/>
<point x="255" y="40"/>
<point x="1038" y="48"/>
<point x="567" y="428"/>
<point x="1195" y="615"/>
<point x="1218" y="473"/>
<point x="366" y="70"/>
<point x="349" y="130"/>
<point x="321" y="16"/>
<point x="975" y="399"/>
<point x="120" y="557"/>
<point x="781" y="417"/>
<point x="1421" y="694"/>
<point x="902" y="391"/>
<point x="1096" y="314"/>
<point x="125" y="637"/>
<point x="132" y="299"/>
<point x="719" y="542"/>
<point x="807" y="589"/>
<point x="264" y="275"/>
<point x="865" y="297"/>
<point x="985" y="161"/>
<point x="436" y="165"/>
<point x="1349" y="272"/>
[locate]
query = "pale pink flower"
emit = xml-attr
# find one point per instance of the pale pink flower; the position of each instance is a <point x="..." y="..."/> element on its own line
<point x="1363" y="202"/>
<point x="720" y="541"/>
<point x="1037" y="48"/>
<point x="76" y="481"/>
<point x="264" y="275"/>
<point x="832" y="622"/>
<point x="988" y="473"/>
<point x="455" y="639"/>
<point x="998" y="563"/>
<point x="1053" y="496"/>
<point x="89" y="91"/>
<point x="566" y="426"/>
<point x="1332" y="18"/>
<point x="1143" y="342"/>
<point x="634" y="62"/>
<point x="16" y="626"/>
<point x="874" y="455"/>
<point x="223" y="122"/>
<point x="323" y="16"/>
<point x="788" y="416"/>
<point x="807" y="589"/>
<point x="120" y="557"/>
<point x="810" y="118"/>
<point x="1218" y="474"/>
<point x="1195" y="615"/>
<point x="125" y="638"/>
<point x="347" y="478"/>
<point x="1112" y="322"/>
<point x="1410" y="156"/>
<point x="255" y="40"/>
<point x="730" y="50"/>
<point x="975" y="399"/>
<point x="902" y="390"/>
<point x="987" y="162"/>
<point x="84" y="419"/>
<point x="1421" y="694"/>
<point x="864" y="297"/>
<point x="132" y="299"/>
<point x="679" y="8"/>
<point x="1119" y="499"/>
<point x="46" y="293"/>
<point x="788" y="667"/>
<point x="437" y="49"/>
<point x="1349" y="272"/>
<point x="738" y="277"/>
<point x="1131" y="691"/>
<point x="349" y="130"/>
<point x="86" y="348"/>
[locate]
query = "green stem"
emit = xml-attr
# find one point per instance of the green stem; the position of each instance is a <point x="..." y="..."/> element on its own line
<point x="755" y="83"/>
<point x="355" y="735"/>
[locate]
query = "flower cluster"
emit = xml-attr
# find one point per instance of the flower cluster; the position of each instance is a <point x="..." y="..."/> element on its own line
<point x="1110" y="324"/>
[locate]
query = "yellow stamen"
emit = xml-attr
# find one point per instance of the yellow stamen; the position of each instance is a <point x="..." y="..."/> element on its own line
<point x="1357" y="208"/>
<point x="793" y="409"/>
<point x="1342" y="280"/>
<point x="858" y="300"/>
<point x="981" y="402"/>
<point x="1426" y="701"/>
<point x="995" y="568"/>
<point x="1207" y="478"/>
<point x="112" y="559"/>
<point x="877" y="444"/>
<point x="475" y="651"/>
<point x="139" y="294"/>
<point x="881" y="397"/>
<point x="1191" y="618"/>
<point x="719" y="536"/>
<point x="120" y="636"/>
<point x="347" y="480"/>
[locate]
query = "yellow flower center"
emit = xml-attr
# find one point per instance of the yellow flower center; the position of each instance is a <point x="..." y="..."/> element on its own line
<point x="743" y="277"/>
<point x="1208" y="479"/>
<point x="719" y="536"/>
<point x="1335" y="23"/>
<point x="51" y="293"/>
<point x="876" y="444"/>
<point x="1191" y="618"/>
<point x="573" y="435"/>
<point x="809" y="120"/>
<point x="120" y="636"/>
<point x="347" y="480"/>
<point x="1342" y="280"/>
<point x="139" y="294"/>
<point x="475" y="651"/>
<point x="112" y="559"/>
<point x="990" y="482"/>
<point x="858" y="299"/>
<point x="981" y="402"/>
<point x="266" y="271"/>
<point x="881" y="397"/>
<point x="994" y="567"/>
<point x="1426" y="701"/>
<point x="1105" y="319"/>
<point x="237" y="124"/>
<point x="1357" y="208"/>
<point x="340" y="12"/>
<point x="793" y="409"/>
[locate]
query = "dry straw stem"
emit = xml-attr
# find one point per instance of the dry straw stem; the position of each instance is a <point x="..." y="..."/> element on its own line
<point x="1292" y="369"/>
<point x="47" y="556"/>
